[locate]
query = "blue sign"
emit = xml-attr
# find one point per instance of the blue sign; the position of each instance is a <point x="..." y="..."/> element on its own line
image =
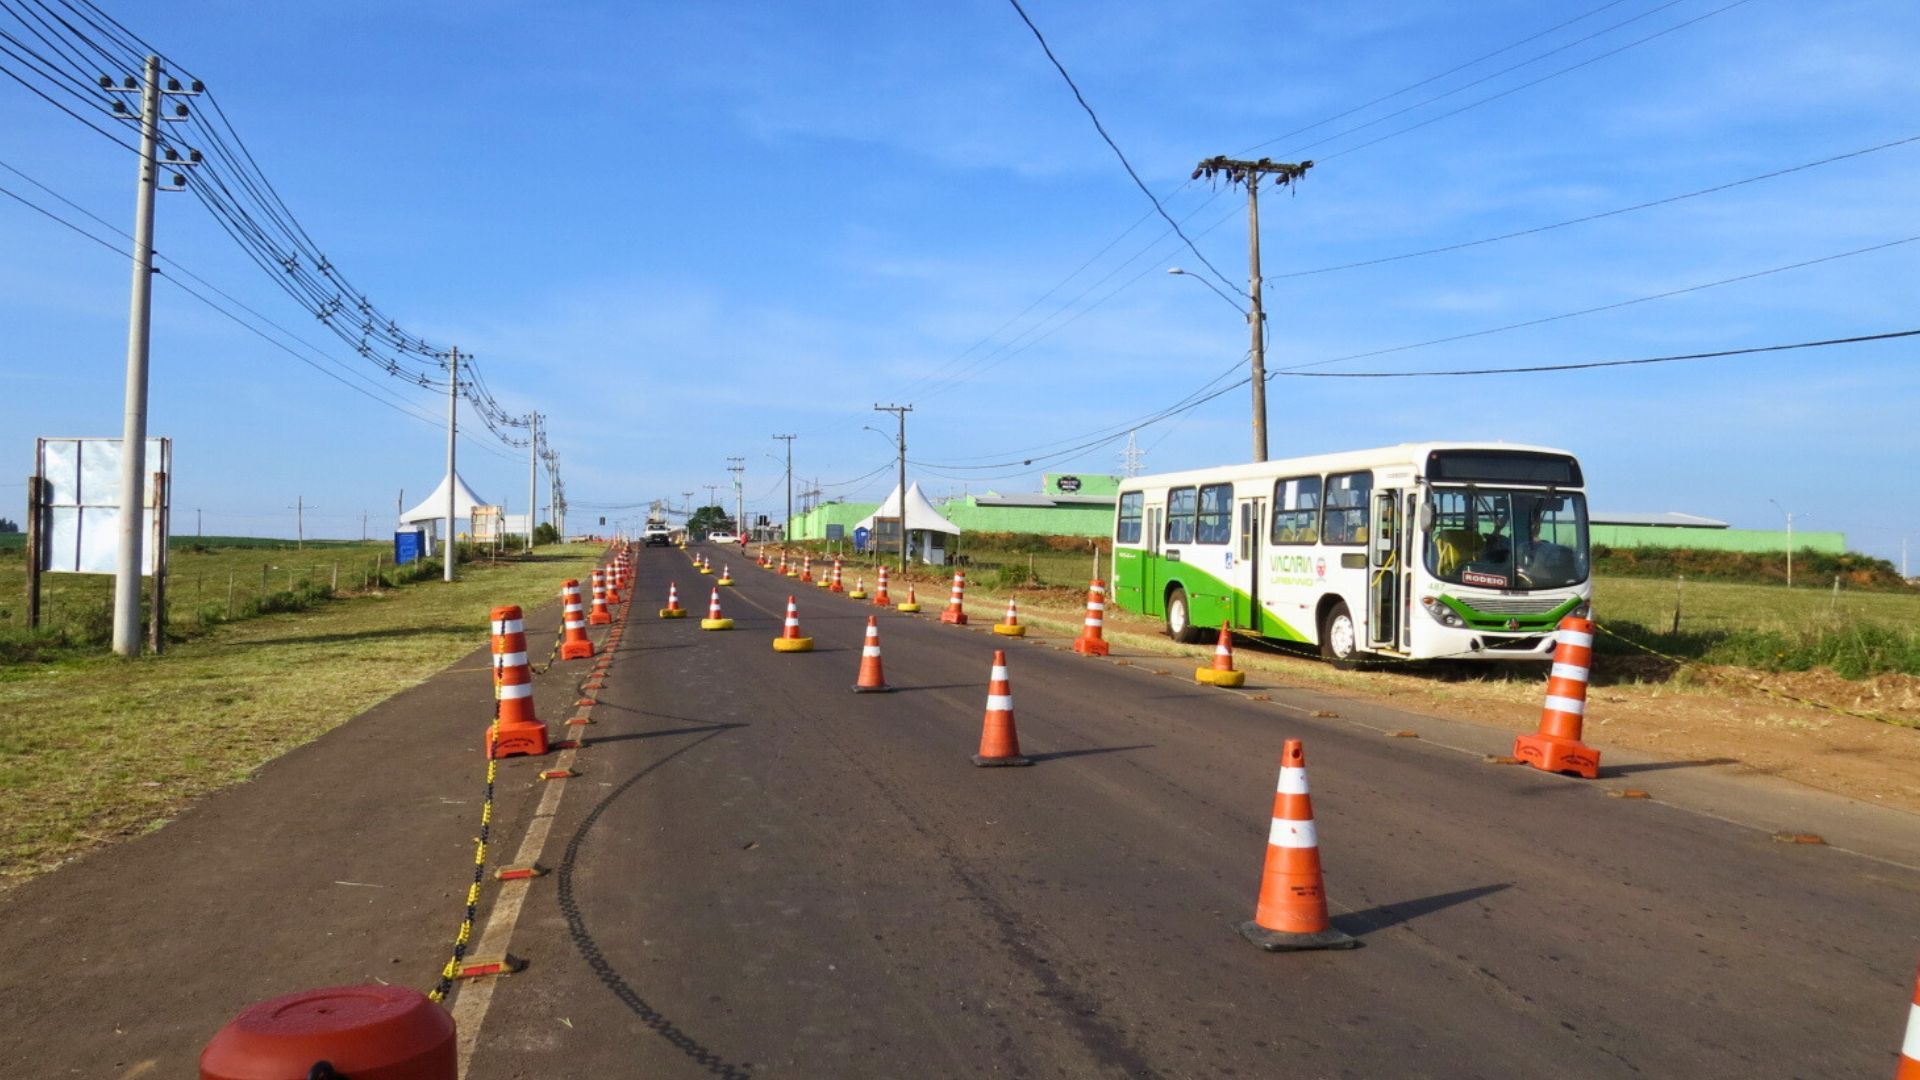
<point x="860" y="536"/>
<point x="409" y="546"/>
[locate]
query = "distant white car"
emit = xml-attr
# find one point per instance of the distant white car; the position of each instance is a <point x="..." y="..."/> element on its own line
<point x="721" y="538"/>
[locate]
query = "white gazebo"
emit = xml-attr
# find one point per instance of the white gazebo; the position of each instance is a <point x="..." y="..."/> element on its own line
<point x="927" y="529"/>
<point x="432" y="511"/>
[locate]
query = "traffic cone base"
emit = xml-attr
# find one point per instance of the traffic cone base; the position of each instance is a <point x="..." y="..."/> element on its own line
<point x="1009" y="631"/>
<point x="1212" y="677"/>
<point x="576" y="650"/>
<point x="793" y="644"/>
<point x="1281" y="941"/>
<point x="991" y="762"/>
<point x="909" y="607"/>
<point x="1091" y="646"/>
<point x="883" y="688"/>
<point x="957" y="618"/>
<point x="724" y="581"/>
<point x="673" y="613"/>
<point x="1556" y="755"/>
<point x="716" y="624"/>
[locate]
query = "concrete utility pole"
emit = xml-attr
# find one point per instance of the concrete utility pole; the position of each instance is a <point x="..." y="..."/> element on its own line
<point x="787" y="525"/>
<point x="453" y="429"/>
<point x="533" y="474"/>
<point x="688" y="513"/>
<point x="1789" y="513"/>
<point x="1249" y="173"/>
<point x="133" y="434"/>
<point x="299" y="509"/>
<point x="901" y="411"/>
<point x="738" y="467"/>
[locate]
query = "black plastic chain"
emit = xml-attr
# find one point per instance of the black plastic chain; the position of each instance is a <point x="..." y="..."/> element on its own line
<point x="447" y="973"/>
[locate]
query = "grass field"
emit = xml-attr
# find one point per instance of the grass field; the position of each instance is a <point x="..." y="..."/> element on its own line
<point x="95" y="747"/>
<point x="212" y="581"/>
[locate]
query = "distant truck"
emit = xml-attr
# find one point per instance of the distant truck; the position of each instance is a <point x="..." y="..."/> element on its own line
<point x="657" y="534"/>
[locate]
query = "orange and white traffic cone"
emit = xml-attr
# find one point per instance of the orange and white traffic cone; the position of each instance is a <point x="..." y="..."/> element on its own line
<point x="873" y="679"/>
<point x="1292" y="912"/>
<point x="880" y="597"/>
<point x="599" y="616"/>
<point x="1221" y="673"/>
<point x="859" y="590"/>
<point x="714" y="620"/>
<point x="613" y="584"/>
<point x="1910" y="1046"/>
<point x="956" y="612"/>
<point x="574" y="643"/>
<point x="783" y="562"/>
<point x="790" y="639"/>
<point x="1556" y="747"/>
<point x="1010" y="626"/>
<point x="515" y="730"/>
<point x="999" y="742"/>
<point x="726" y="575"/>
<point x="704" y="565"/>
<point x="1091" y="641"/>
<point x="912" y="604"/>
<point x="806" y="568"/>
<point x="836" y="586"/>
<point x="673" y="610"/>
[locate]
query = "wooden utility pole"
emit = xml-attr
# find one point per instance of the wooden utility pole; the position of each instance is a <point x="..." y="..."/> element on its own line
<point x="1249" y="173"/>
<point x="36" y="541"/>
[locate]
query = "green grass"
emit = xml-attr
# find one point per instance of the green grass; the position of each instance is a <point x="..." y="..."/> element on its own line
<point x="1856" y="634"/>
<point x="96" y="747"/>
<point x="211" y="581"/>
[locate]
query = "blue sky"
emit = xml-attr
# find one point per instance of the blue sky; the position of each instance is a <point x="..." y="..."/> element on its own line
<point x="679" y="229"/>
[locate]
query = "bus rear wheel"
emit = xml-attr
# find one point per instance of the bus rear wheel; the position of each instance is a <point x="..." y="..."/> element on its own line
<point x="1339" y="641"/>
<point x="1180" y="618"/>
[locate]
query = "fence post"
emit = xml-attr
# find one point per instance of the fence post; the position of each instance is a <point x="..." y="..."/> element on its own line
<point x="36" y="539"/>
<point x="229" y="594"/>
<point x="1679" y="585"/>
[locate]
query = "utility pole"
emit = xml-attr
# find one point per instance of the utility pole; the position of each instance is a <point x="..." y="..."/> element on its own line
<point x="1789" y="513"/>
<point x="687" y="496"/>
<point x="1249" y="173"/>
<point x="198" y="526"/>
<point x="363" y="526"/>
<point x="711" y="488"/>
<point x="133" y="437"/>
<point x="453" y="428"/>
<point x="901" y="411"/>
<point x="787" y="525"/>
<point x="533" y="474"/>
<point x="299" y="509"/>
<point x="738" y="467"/>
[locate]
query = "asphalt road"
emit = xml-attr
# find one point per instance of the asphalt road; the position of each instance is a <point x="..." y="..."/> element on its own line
<point x="760" y="873"/>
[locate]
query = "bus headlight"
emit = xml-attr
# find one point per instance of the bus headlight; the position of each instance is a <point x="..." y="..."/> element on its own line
<point x="1442" y="614"/>
<point x="1582" y="610"/>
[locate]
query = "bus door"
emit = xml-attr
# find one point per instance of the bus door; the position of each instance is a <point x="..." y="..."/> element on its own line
<point x="1246" y="576"/>
<point x="1150" y="576"/>
<point x="1384" y="570"/>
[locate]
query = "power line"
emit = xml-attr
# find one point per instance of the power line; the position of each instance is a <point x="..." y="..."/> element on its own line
<point x="1610" y="307"/>
<point x="1509" y="47"/>
<point x="1601" y="215"/>
<point x="1592" y="364"/>
<point x="1101" y="128"/>
<point x="1532" y="82"/>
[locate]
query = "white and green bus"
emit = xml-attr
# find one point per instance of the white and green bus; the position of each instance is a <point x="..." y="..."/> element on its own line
<point x="1415" y="551"/>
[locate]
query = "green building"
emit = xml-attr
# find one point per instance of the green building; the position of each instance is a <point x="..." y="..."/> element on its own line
<point x="1068" y="504"/>
<point x="1672" y="530"/>
<point x="818" y="523"/>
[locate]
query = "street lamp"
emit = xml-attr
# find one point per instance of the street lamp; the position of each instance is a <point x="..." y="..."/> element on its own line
<point x="1789" y="513"/>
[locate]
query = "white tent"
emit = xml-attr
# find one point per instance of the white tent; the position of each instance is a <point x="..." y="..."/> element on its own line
<point x="432" y="511"/>
<point x="927" y="528"/>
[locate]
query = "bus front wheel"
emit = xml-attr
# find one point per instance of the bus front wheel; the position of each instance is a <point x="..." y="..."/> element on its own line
<point x="1180" y="618"/>
<point x="1339" y="642"/>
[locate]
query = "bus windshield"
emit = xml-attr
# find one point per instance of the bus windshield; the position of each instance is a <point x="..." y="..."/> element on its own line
<point x="1507" y="539"/>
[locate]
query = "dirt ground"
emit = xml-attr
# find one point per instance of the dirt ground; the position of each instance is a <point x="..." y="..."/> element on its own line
<point x="1729" y="716"/>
